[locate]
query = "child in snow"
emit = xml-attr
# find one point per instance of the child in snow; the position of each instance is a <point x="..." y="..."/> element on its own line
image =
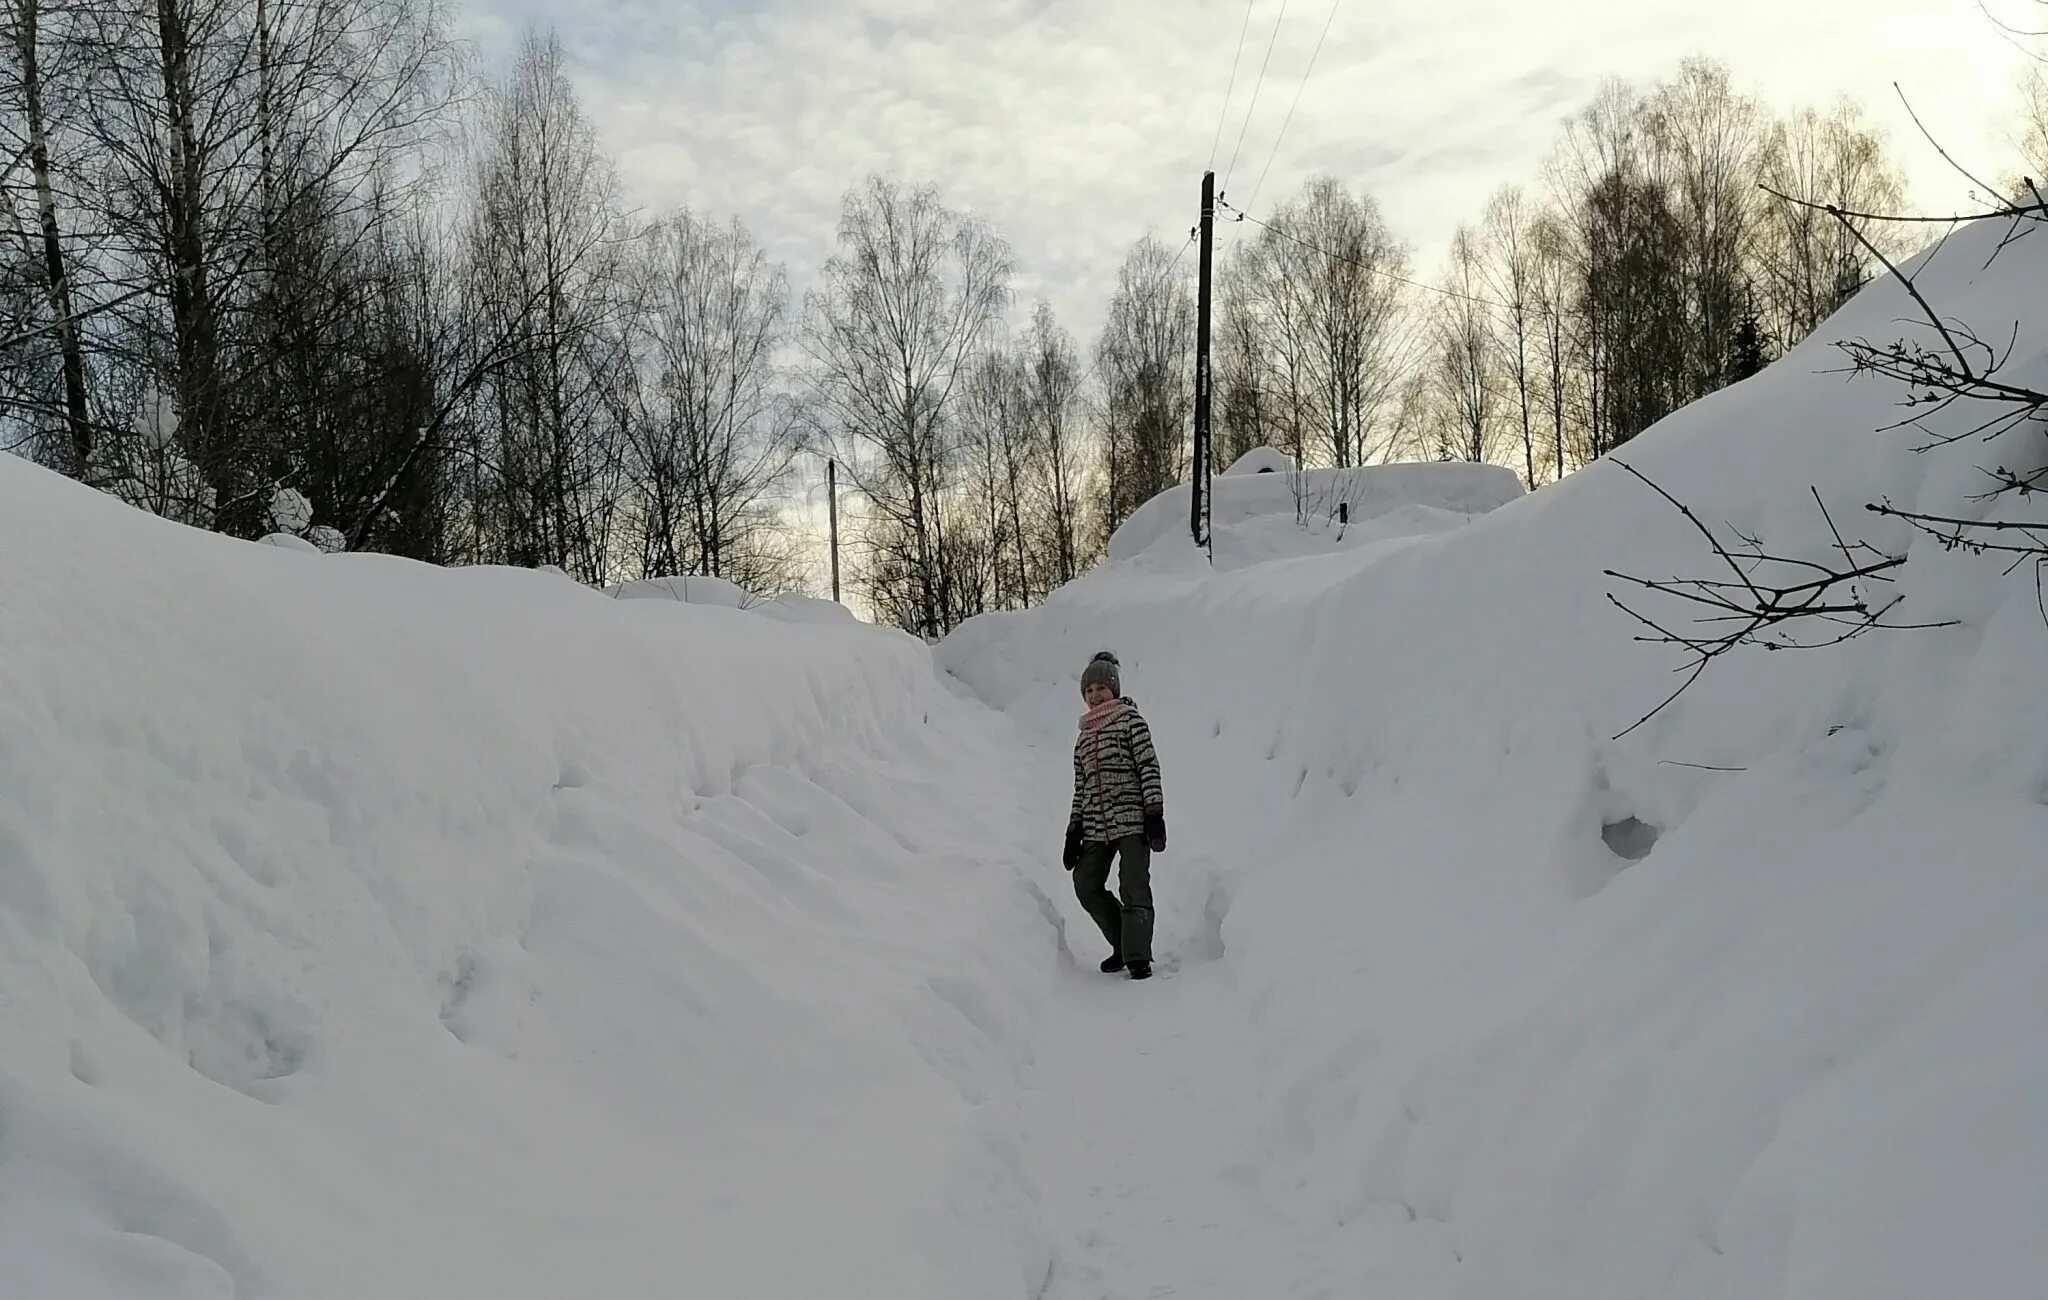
<point x="1119" y="816"/>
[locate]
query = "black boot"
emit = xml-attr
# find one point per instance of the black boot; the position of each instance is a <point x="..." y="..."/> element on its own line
<point x="1141" y="970"/>
<point x="1112" y="964"/>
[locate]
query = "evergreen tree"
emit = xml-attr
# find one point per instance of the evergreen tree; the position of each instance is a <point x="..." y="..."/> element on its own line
<point x="1746" y="356"/>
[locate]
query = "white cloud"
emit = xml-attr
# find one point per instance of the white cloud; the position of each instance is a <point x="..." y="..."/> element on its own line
<point x="1079" y="125"/>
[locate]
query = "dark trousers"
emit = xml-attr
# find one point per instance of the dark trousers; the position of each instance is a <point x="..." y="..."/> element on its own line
<point x="1126" y="924"/>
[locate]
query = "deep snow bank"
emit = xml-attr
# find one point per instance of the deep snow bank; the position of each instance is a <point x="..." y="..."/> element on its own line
<point x="1788" y="1041"/>
<point x="368" y="929"/>
<point x="1313" y="497"/>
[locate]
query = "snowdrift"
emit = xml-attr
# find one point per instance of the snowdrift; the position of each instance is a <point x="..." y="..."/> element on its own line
<point x="789" y="607"/>
<point x="1262" y="460"/>
<point x="1745" y="1004"/>
<point x="368" y="929"/>
<point x="1312" y="497"/>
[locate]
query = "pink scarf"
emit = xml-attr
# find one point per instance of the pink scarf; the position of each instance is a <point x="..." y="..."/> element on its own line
<point x="1096" y="718"/>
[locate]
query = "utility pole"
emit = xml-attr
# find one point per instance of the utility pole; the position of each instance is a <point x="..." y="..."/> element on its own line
<point x="832" y="512"/>
<point x="1199" y="513"/>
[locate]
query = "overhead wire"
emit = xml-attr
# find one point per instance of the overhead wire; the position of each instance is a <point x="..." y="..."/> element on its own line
<point x="1240" y="214"/>
<point x="1288" y="120"/>
<point x="1256" y="86"/>
<point x="1223" y="113"/>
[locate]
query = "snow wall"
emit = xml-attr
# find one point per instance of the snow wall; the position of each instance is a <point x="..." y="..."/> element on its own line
<point x="1748" y="1003"/>
<point x="371" y="929"/>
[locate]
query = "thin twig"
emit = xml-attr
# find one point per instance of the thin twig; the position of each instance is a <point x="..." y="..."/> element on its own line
<point x="1752" y="612"/>
<point x="1908" y="219"/>
<point x="1946" y="157"/>
<point x="1698" y="668"/>
<point x="1933" y="318"/>
<point x="1704" y="531"/>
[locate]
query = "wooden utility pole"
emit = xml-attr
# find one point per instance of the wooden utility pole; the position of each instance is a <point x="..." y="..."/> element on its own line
<point x="832" y="512"/>
<point x="1199" y="513"/>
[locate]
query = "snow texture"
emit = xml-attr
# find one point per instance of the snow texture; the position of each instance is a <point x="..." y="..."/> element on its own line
<point x="369" y="929"/>
<point x="1476" y="1002"/>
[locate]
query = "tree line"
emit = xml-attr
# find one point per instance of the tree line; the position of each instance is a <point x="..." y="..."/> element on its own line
<point x="1665" y="251"/>
<point x="294" y="264"/>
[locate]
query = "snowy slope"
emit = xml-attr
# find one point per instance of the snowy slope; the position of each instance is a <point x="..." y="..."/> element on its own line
<point x="1437" y="1037"/>
<point x="368" y="929"/>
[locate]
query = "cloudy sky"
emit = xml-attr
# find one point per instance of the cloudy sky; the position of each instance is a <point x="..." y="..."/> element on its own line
<point x="1079" y="125"/>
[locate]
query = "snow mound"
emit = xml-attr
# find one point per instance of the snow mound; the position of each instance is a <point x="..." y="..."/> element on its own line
<point x="1315" y="496"/>
<point x="1266" y="538"/>
<point x="290" y="511"/>
<point x="1262" y="460"/>
<point x="688" y="590"/>
<point x="1746" y="1003"/>
<point x="793" y="607"/>
<point x="376" y="929"/>
<point x="789" y="607"/>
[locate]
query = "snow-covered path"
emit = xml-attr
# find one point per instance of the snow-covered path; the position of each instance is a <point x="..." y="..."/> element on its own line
<point x="1135" y="1114"/>
<point x="1139" y="1110"/>
<point x="368" y="928"/>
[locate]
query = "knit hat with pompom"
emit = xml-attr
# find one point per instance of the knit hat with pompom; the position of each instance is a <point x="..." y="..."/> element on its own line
<point x="1103" y="670"/>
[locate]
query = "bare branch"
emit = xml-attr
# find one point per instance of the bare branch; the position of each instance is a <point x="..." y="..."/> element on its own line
<point x="1754" y="612"/>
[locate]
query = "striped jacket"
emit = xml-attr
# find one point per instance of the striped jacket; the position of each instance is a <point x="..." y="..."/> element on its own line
<point x="1116" y="778"/>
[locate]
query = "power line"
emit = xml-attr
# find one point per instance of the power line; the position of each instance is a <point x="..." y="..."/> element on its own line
<point x="1255" y="95"/>
<point x="1224" y="112"/>
<point x="1284" y="122"/>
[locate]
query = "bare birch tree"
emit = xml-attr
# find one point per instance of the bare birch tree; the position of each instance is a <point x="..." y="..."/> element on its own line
<point x="996" y="424"/>
<point x="44" y="77"/>
<point x="1328" y="283"/>
<point x="1146" y="362"/>
<point x="1808" y="264"/>
<point x="719" y="436"/>
<point x="1057" y="463"/>
<point x="1466" y="358"/>
<point x="1244" y="414"/>
<point x="544" y="266"/>
<point x="1511" y="276"/>
<point x="1551" y="285"/>
<point x="1709" y="138"/>
<point x="898" y="312"/>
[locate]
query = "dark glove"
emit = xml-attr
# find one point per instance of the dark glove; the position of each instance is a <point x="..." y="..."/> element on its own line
<point x="1155" y="830"/>
<point x="1070" y="856"/>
